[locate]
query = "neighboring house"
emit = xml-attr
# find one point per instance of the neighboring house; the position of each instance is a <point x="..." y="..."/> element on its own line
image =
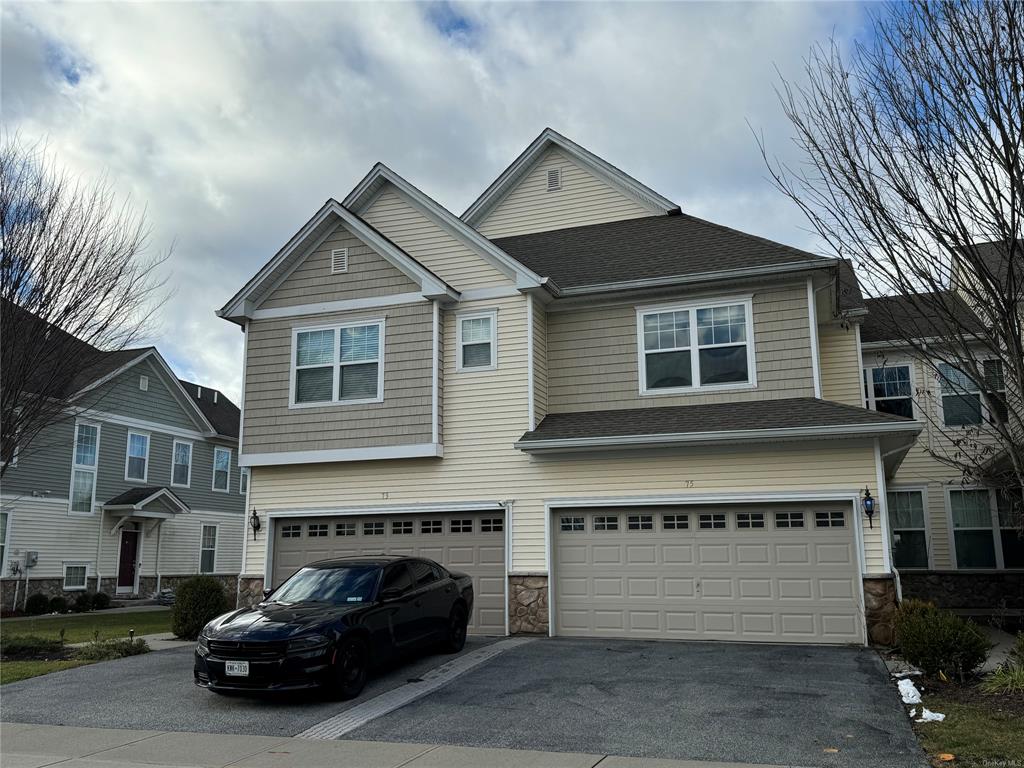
<point x="138" y="487"/>
<point x="622" y="420"/>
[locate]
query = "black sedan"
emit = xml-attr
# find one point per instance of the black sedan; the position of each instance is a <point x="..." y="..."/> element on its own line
<point x="332" y="623"/>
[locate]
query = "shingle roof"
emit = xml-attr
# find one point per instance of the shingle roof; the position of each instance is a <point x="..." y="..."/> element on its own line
<point x="718" y="417"/>
<point x="135" y="495"/>
<point x="996" y="258"/>
<point x="648" y="247"/>
<point x="891" y="318"/>
<point x="216" y="407"/>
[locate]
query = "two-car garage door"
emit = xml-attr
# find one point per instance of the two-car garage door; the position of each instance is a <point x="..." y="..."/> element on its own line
<point x="473" y="543"/>
<point x="772" y="574"/>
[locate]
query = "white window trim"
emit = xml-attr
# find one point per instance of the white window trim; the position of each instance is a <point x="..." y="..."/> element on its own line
<point x="127" y="455"/>
<point x="336" y="364"/>
<point x="7" y="542"/>
<point x="459" y="318"/>
<point x="747" y="300"/>
<point x="247" y="474"/>
<point x="64" y="572"/>
<point x="191" y="461"/>
<point x="923" y="490"/>
<point x="95" y="468"/>
<point x="997" y="538"/>
<point x="986" y="413"/>
<point x="216" y="541"/>
<point x="867" y="385"/>
<point x="213" y="479"/>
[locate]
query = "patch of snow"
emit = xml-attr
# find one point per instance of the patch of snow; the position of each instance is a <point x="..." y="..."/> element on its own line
<point x="907" y="673"/>
<point x="927" y="716"/>
<point x="909" y="693"/>
<point x="912" y="713"/>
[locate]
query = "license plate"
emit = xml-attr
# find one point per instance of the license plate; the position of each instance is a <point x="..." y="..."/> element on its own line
<point x="236" y="668"/>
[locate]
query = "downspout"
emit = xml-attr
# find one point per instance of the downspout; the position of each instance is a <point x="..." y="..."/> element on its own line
<point x="99" y="554"/>
<point x="159" y="528"/>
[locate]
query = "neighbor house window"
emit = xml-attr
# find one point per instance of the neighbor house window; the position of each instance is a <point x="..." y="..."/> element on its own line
<point x="243" y="480"/>
<point x="961" y="396"/>
<point x="1009" y="510"/>
<point x="973" y="529"/>
<point x="75" y="575"/>
<point x="181" y="466"/>
<point x="889" y="389"/>
<point x="909" y="534"/>
<point x="690" y="347"/>
<point x="221" y="469"/>
<point x="136" y="461"/>
<point x="3" y="540"/>
<point x="339" y="365"/>
<point x="83" y="468"/>
<point x="477" y="342"/>
<point x="208" y="549"/>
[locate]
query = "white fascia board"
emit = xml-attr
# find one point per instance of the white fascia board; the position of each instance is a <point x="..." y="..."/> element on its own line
<point x="724" y="497"/>
<point x="419" y="450"/>
<point x="703" y="438"/>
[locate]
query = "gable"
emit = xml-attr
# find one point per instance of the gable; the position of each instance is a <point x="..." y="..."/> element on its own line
<point x="584" y="198"/>
<point x="311" y="281"/>
<point x="427" y="242"/>
<point x="159" y="402"/>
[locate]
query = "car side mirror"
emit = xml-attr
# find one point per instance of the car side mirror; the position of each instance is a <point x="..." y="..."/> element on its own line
<point x="390" y="594"/>
<point x="266" y="593"/>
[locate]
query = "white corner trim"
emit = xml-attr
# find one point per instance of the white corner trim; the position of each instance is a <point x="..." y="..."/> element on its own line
<point x="530" y="415"/>
<point x="346" y="305"/>
<point x="435" y="375"/>
<point x="413" y="451"/>
<point x="883" y="501"/>
<point x="812" y="313"/>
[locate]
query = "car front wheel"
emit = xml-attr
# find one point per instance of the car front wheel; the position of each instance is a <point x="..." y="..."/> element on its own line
<point x="351" y="668"/>
<point x="457" y="622"/>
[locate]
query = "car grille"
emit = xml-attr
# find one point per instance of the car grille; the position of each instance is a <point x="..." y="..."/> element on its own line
<point x="225" y="649"/>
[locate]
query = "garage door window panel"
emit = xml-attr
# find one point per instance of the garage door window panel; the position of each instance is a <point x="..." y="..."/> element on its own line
<point x="492" y="525"/>
<point x="461" y="526"/>
<point x="789" y="519"/>
<point x="431" y="526"/>
<point x="572" y="524"/>
<point x="675" y="522"/>
<point x="291" y="531"/>
<point x="833" y="519"/>
<point x="750" y="520"/>
<point x="640" y="522"/>
<point x="606" y="523"/>
<point x="345" y="529"/>
<point x="401" y="527"/>
<point x="317" y="530"/>
<point x="375" y="528"/>
<point x="714" y="521"/>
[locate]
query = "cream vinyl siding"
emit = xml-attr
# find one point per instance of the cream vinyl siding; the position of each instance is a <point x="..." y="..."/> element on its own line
<point x="593" y="362"/>
<point x="426" y="242"/>
<point x="404" y="416"/>
<point x="369" y="274"/>
<point x="583" y="199"/>
<point x="841" y="380"/>
<point x="540" y="362"/>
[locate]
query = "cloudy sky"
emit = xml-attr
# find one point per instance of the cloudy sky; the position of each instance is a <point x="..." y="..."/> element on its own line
<point x="233" y="122"/>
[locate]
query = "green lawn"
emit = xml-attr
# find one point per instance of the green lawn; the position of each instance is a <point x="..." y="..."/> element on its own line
<point x="978" y="734"/>
<point x="81" y="627"/>
<point x="12" y="671"/>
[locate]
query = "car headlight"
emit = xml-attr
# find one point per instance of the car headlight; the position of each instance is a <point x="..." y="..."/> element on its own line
<point x="203" y="645"/>
<point x="307" y="643"/>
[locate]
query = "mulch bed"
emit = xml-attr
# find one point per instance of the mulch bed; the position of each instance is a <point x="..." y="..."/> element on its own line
<point x="968" y="693"/>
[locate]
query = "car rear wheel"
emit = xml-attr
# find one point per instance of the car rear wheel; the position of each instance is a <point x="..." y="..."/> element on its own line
<point x="457" y="623"/>
<point x="351" y="668"/>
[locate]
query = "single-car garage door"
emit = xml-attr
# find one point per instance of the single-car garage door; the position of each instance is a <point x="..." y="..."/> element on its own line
<point x="769" y="573"/>
<point x="473" y="543"/>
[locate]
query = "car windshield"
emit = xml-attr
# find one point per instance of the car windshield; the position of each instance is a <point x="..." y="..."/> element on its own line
<point x="341" y="586"/>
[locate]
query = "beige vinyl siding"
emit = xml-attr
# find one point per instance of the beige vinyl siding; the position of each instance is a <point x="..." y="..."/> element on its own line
<point x="540" y="361"/>
<point x="369" y="274"/>
<point x="426" y="242"/>
<point x="841" y="380"/>
<point x="404" y="417"/>
<point x="583" y="199"/>
<point x="593" y="357"/>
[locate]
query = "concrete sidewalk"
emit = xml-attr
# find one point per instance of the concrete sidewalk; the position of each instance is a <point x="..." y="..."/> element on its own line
<point x="36" y="746"/>
<point x="158" y="642"/>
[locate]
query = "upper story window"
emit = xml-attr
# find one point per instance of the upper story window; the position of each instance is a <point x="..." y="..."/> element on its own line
<point x="477" y="342"/>
<point x="181" y="463"/>
<point x="338" y="365"/>
<point x="698" y="346"/>
<point x="961" y="396"/>
<point x="889" y="389"/>
<point x="243" y="480"/>
<point x="83" y="467"/>
<point x="221" y="469"/>
<point x="136" y="461"/>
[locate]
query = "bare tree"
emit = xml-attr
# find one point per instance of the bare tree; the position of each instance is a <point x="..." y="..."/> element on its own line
<point x="75" y="286"/>
<point x="912" y="168"/>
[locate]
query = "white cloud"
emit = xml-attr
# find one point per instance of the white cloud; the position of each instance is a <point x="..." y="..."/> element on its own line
<point x="232" y="123"/>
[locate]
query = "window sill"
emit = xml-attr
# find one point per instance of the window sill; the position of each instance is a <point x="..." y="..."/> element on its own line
<point x="477" y="369"/>
<point x="73" y="513"/>
<point x="178" y="485"/>
<point x="334" y="403"/>
<point x="710" y="388"/>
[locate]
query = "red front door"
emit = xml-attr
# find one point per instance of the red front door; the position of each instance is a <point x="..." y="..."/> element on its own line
<point x="127" y="561"/>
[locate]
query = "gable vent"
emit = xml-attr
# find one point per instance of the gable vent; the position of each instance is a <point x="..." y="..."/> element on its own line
<point x="339" y="260"/>
<point x="554" y="179"/>
<point x="144" y="383"/>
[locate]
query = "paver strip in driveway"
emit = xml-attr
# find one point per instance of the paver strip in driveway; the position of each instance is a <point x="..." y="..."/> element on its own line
<point x="685" y="700"/>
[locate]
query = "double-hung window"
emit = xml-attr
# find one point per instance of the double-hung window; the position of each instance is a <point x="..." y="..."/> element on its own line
<point x="4" y="518"/>
<point x="961" y="395"/>
<point x="208" y="549"/>
<point x="343" y="364"/>
<point x="973" y="530"/>
<point x="1008" y="511"/>
<point x="83" y="468"/>
<point x="477" y="342"/>
<point x="909" y="531"/>
<point x="181" y="463"/>
<point x="683" y="348"/>
<point x="221" y="469"/>
<point x="76" y="577"/>
<point x="889" y="389"/>
<point x="136" y="460"/>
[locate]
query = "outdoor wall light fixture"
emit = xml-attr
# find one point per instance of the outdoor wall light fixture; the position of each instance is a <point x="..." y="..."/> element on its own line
<point x="869" y="506"/>
<point x="254" y="523"/>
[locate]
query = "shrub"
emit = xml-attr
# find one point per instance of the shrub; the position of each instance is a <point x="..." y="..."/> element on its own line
<point x="58" y="605"/>
<point x="103" y="650"/>
<point x="1007" y="678"/>
<point x="83" y="603"/>
<point x="1017" y="652"/>
<point x="28" y="645"/>
<point x="100" y="601"/>
<point x="939" y="641"/>
<point x="197" y="600"/>
<point x="37" y="604"/>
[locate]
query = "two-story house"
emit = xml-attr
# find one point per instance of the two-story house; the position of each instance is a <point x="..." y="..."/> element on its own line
<point x="620" y="419"/>
<point x="135" y="488"/>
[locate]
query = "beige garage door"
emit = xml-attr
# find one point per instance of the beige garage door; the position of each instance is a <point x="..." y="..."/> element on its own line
<point x="473" y="543"/>
<point x="771" y="574"/>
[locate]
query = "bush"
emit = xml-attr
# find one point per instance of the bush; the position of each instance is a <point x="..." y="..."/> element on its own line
<point x="28" y="645"/>
<point x="103" y="650"/>
<point x="83" y="603"/>
<point x="58" y="605"/>
<point x="1017" y="653"/>
<point x="197" y="601"/>
<point x="100" y="601"/>
<point x="938" y="641"/>
<point x="37" y="604"/>
<point x="1007" y="678"/>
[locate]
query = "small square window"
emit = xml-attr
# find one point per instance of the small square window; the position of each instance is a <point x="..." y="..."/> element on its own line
<point x="374" y="528"/>
<point x="640" y="522"/>
<point x="492" y="525"/>
<point x="675" y="522"/>
<point x="75" y="576"/>
<point x="709" y="521"/>
<point x="431" y="526"/>
<point x="573" y="524"/>
<point x="345" y="529"/>
<point x="291" y="531"/>
<point x="317" y="530"/>
<point x="835" y="519"/>
<point x="461" y="526"/>
<point x="606" y="523"/>
<point x="789" y="519"/>
<point x="750" y="519"/>
<point x="401" y="527"/>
